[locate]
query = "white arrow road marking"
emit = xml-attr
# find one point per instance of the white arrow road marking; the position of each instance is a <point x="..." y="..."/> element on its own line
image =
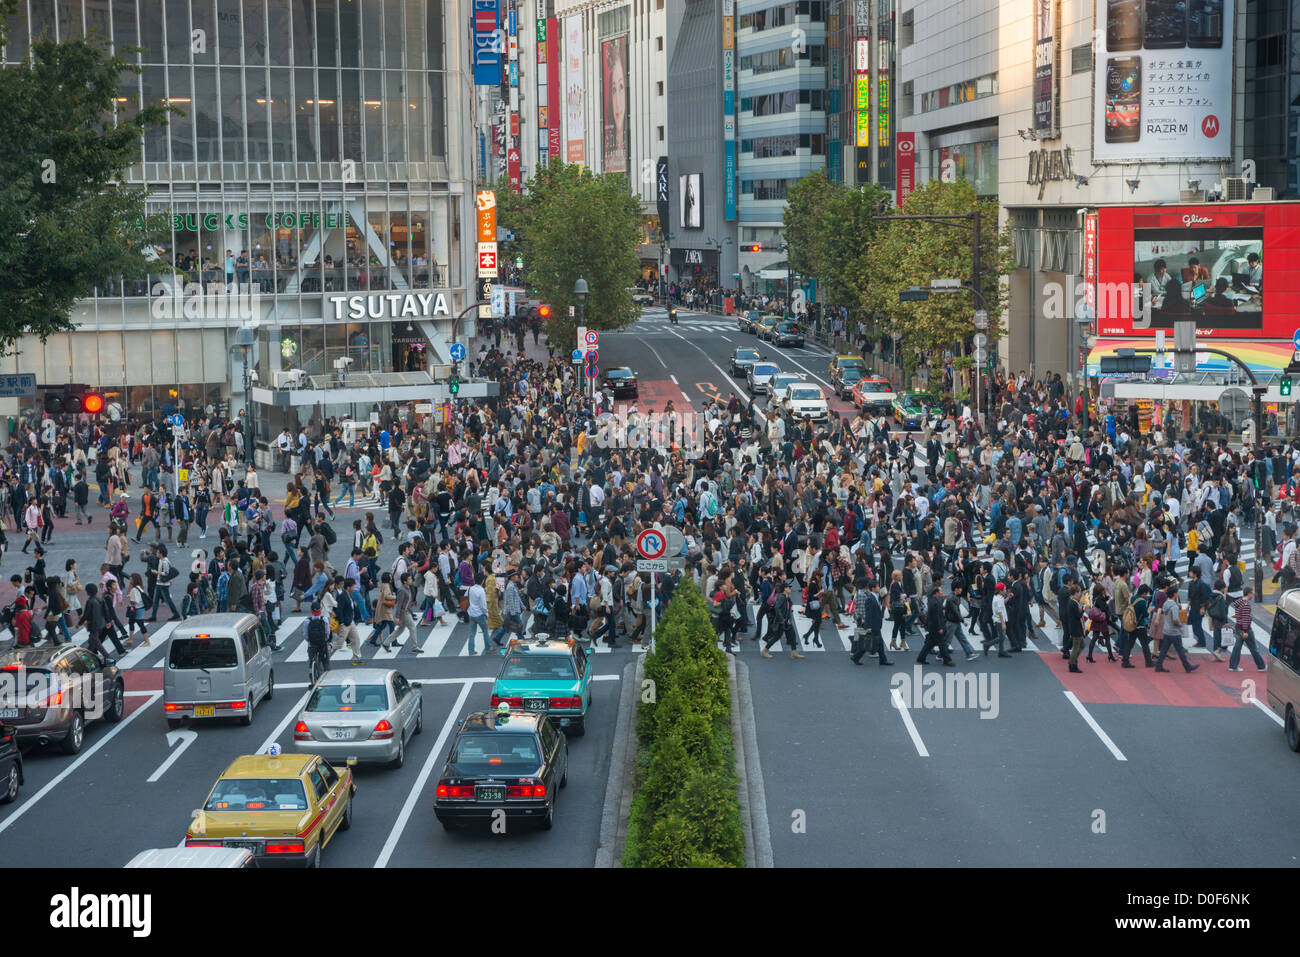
<point x="185" y="738"/>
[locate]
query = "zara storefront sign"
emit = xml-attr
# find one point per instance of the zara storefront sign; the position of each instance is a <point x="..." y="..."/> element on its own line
<point x="393" y="305"/>
<point x="1047" y="166"/>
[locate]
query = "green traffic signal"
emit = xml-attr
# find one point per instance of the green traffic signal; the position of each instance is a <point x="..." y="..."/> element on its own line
<point x="454" y="385"/>
<point x="1285" y="385"/>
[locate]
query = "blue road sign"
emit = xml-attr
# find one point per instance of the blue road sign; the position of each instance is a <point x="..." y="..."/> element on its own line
<point x="592" y="372"/>
<point x="577" y="355"/>
<point x="1295" y="337"/>
<point x="22" y="384"/>
<point x="458" y="351"/>
<point x="178" y="420"/>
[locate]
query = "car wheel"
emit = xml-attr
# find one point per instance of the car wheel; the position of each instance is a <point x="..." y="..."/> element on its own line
<point x="116" y="707"/>
<point x="174" y="723"/>
<point x="548" y="822"/>
<point x="1292" y="730"/>
<point x="346" y="823"/>
<point x="76" y="734"/>
<point x="398" y="761"/>
<point x="247" y="717"/>
<point x="419" y="719"/>
<point x="11" y="784"/>
<point x="270" y="686"/>
<point x="314" y="860"/>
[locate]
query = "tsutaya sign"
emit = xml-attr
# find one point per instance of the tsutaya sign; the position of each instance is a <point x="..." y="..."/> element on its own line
<point x="393" y="305"/>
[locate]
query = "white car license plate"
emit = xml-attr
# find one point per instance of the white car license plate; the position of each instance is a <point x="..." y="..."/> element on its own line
<point x="537" y="704"/>
<point x="8" y="712"/>
<point x="490" y="793"/>
<point x="339" y="734"/>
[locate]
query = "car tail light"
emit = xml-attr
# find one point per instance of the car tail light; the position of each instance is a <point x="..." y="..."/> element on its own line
<point x="173" y="707"/>
<point x="301" y="732"/>
<point x="455" y="791"/>
<point x="289" y="848"/>
<point x="237" y="705"/>
<point x="526" y="791"/>
<point x="50" y="701"/>
<point x="382" y="730"/>
<point x="513" y="702"/>
<point x="566" y="702"/>
<point x="195" y="842"/>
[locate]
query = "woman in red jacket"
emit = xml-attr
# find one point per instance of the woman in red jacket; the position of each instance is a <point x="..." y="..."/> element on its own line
<point x="22" y="623"/>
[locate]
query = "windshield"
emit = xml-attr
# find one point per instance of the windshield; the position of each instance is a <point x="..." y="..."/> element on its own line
<point x="257" y="794"/>
<point x="874" y="387"/>
<point x="852" y="364"/>
<point x="549" y="667"/>
<point x="781" y="381"/>
<point x="349" y="697"/>
<point x="787" y="327"/>
<point x="851" y="374"/>
<point x="747" y="354"/>
<point x="619" y="373"/>
<point x="497" y="753"/>
<point x="806" y="394"/>
<point x="763" y="368"/>
<point x="203" y="653"/>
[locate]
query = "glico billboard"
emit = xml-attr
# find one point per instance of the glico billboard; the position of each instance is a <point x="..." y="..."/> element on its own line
<point x="1233" y="268"/>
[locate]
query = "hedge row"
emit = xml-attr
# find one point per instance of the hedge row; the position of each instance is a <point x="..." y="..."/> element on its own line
<point x="686" y="808"/>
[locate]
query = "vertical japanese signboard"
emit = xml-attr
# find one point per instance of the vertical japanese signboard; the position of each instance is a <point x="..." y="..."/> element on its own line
<point x="555" y="105"/>
<point x="486" y="203"/>
<point x="906" y="165"/>
<point x="729" y="109"/>
<point x="1045" y="67"/>
<point x="487" y="43"/>
<point x="1090" y="263"/>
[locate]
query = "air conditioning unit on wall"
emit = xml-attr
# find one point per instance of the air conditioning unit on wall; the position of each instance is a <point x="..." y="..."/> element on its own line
<point x="1262" y="194"/>
<point x="1191" y="196"/>
<point x="1234" y="188"/>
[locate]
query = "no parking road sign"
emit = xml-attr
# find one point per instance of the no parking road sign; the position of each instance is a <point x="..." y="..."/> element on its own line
<point x="651" y="543"/>
<point x="592" y="338"/>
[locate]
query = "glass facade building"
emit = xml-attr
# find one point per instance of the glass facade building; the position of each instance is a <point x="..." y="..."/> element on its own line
<point x="310" y="155"/>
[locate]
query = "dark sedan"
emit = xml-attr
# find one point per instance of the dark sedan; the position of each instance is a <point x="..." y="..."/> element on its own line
<point x="788" y="333"/>
<point x="506" y="761"/>
<point x="620" y="380"/>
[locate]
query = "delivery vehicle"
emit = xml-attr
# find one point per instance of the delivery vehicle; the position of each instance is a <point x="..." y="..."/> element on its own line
<point x="218" y="666"/>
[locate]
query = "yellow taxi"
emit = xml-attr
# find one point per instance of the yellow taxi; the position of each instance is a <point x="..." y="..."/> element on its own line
<point x="283" y="808"/>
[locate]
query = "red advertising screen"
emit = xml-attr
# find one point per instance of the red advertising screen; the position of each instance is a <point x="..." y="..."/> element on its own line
<point x="1158" y="265"/>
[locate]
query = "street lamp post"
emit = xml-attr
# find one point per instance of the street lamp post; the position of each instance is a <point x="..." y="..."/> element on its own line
<point x="580" y="291"/>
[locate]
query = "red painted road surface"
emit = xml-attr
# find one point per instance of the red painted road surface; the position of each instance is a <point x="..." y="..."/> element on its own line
<point x="1212" y="685"/>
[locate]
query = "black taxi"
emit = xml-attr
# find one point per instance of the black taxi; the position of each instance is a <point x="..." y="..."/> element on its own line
<point x="504" y="763"/>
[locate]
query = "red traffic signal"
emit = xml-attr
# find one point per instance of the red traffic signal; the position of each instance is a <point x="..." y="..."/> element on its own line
<point x="93" y="403"/>
<point x="756" y="248"/>
<point x="543" y="312"/>
<point x="74" y="400"/>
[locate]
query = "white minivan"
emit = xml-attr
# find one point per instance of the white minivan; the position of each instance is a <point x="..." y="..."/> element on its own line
<point x="218" y="666"/>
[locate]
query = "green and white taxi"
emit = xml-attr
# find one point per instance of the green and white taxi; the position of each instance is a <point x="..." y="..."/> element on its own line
<point x="547" y="676"/>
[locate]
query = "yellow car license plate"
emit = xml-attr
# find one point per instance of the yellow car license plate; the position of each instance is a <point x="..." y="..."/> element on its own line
<point x="204" y="711"/>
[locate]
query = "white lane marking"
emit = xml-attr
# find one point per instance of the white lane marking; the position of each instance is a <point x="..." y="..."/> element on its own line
<point x="436" y="640"/>
<point x="284" y="722"/>
<point x="907" y="723"/>
<point x="726" y="375"/>
<point x="809" y="371"/>
<point x="653" y="350"/>
<point x="157" y="640"/>
<point x="674" y="378"/>
<point x="1268" y="711"/>
<point x="1105" y="738"/>
<point x="184" y="738"/>
<point x="81" y="759"/>
<point x="417" y="789"/>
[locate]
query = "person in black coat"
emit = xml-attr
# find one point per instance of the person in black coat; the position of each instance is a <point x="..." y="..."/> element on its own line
<point x="869" y="617"/>
<point x="934" y="629"/>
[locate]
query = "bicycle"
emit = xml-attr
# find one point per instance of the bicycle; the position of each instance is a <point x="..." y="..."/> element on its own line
<point x="318" y="663"/>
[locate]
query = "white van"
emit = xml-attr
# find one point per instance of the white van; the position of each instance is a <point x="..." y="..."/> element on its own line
<point x="218" y="666"/>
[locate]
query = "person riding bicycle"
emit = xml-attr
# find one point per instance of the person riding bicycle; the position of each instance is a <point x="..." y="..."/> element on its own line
<point x="317" y="631"/>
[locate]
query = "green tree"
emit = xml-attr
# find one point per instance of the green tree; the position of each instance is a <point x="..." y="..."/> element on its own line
<point x="67" y="219"/>
<point x="570" y="222"/>
<point x="904" y="254"/>
<point x="807" y="205"/>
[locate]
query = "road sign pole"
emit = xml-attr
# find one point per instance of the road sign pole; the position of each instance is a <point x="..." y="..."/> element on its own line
<point x="654" y="597"/>
<point x="176" y="463"/>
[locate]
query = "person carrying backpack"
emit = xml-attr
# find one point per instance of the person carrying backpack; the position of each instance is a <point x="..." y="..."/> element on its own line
<point x="317" y="632"/>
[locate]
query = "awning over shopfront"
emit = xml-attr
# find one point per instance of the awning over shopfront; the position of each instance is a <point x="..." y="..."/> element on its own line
<point x="1263" y="356"/>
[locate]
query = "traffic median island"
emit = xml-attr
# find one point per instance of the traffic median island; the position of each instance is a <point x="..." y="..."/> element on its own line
<point x="686" y="809"/>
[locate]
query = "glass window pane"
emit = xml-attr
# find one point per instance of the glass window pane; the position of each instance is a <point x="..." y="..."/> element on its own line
<point x="415" y="120"/>
<point x="162" y="357"/>
<point x="254" y="31"/>
<point x="329" y="116"/>
<point x="394" y="29"/>
<point x="151" y="29"/>
<point x="259" y="144"/>
<point x="97" y="20"/>
<point x="303" y="33"/>
<point x="350" y="115"/>
<point x="43" y="20"/>
<point x="377" y="229"/>
<point x="124" y="24"/>
<point x="281" y="117"/>
<point x="232" y="115"/>
<point x="325" y="34"/>
<point x="305" y="110"/>
<point x="374" y="111"/>
<point x="231" y="32"/>
<point x="309" y="249"/>
<point x="437" y="117"/>
<point x="396" y="109"/>
<point x="278" y="31"/>
<point x="128" y="98"/>
<point x="207" y="120"/>
<point x="434" y="34"/>
<point x="70" y="26"/>
<point x="415" y="31"/>
<point x="350" y="32"/>
<point x="202" y="17"/>
<point x="372" y="33"/>
<point x="155" y="92"/>
<point x="182" y="127"/>
<point x="178" y="31"/>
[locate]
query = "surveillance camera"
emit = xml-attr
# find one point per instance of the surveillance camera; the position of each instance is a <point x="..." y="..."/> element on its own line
<point x="1081" y="211"/>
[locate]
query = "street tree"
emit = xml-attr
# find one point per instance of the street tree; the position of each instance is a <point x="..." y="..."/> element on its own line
<point x="68" y="220"/>
<point x="570" y="222"/>
<point x="904" y="254"/>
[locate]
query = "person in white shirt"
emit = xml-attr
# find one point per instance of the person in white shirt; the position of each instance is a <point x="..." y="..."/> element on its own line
<point x="999" y="621"/>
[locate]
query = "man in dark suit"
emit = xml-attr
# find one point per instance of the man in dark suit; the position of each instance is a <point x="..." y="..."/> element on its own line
<point x="934" y="630"/>
<point x="869" y="617"/>
<point x="1018" y="610"/>
<point x="1199" y="594"/>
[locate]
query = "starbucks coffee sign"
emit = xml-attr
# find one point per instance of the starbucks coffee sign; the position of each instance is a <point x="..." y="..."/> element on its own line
<point x="393" y="305"/>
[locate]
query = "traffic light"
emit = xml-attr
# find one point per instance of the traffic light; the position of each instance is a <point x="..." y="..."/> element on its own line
<point x="1285" y="385"/>
<point x="453" y="384"/>
<point x="756" y="248"/>
<point x="74" y="400"/>
<point x="543" y="312"/>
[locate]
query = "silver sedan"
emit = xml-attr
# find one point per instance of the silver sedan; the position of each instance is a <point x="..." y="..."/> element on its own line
<point x="363" y="713"/>
<point x="759" y="376"/>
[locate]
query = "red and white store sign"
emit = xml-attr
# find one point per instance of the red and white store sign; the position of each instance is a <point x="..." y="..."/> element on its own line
<point x="1090" y="262"/>
<point x="1193" y="219"/>
<point x="905" y="165"/>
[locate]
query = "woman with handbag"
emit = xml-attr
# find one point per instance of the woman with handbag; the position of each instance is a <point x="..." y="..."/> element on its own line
<point x="898" y="612"/>
<point x="1099" y="623"/>
<point x="385" y="610"/>
<point x="137" y="610"/>
<point x="1174" y="617"/>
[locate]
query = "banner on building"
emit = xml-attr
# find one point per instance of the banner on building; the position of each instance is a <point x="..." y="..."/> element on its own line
<point x="487" y="43"/>
<point x="613" y="79"/>
<point x="906" y="165"/>
<point x="1162" y="81"/>
<point x="553" y="89"/>
<point x="729" y="110"/>
<point x="1046" y="31"/>
<point x="863" y="107"/>
<point x="575" y="130"/>
<point x="688" y="186"/>
<point x="661" y="193"/>
<point x="1090" y="263"/>
<point x="543" y="115"/>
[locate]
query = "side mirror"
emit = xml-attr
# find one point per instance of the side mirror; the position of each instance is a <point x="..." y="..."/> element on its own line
<point x="416" y="684"/>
